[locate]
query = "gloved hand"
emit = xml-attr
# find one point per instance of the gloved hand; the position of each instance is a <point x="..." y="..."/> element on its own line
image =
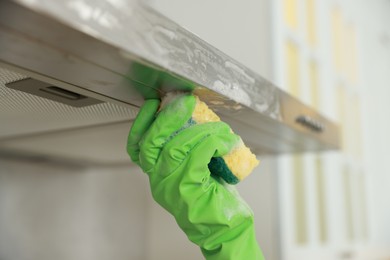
<point x="176" y="160"/>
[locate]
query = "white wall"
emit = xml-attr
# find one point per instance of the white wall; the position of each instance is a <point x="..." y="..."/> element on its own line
<point x="375" y="75"/>
<point x="55" y="212"/>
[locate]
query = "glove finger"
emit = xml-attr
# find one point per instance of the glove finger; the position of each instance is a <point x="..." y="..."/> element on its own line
<point x="179" y="148"/>
<point x="170" y="120"/>
<point x="141" y="124"/>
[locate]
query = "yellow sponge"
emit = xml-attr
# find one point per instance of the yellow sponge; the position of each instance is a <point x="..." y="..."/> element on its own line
<point x="234" y="166"/>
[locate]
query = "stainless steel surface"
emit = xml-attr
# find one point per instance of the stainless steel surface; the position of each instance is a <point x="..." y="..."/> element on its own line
<point x="125" y="52"/>
<point x="42" y="129"/>
<point x="23" y="114"/>
<point x="99" y="145"/>
<point x="52" y="92"/>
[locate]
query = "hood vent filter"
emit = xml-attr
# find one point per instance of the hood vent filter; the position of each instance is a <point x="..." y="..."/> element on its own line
<point x="45" y="90"/>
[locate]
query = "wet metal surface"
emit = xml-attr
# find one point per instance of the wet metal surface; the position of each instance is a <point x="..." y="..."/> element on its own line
<point x="127" y="52"/>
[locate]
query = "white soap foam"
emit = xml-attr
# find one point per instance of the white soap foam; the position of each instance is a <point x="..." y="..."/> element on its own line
<point x="232" y="90"/>
<point x="235" y="205"/>
<point x="170" y="34"/>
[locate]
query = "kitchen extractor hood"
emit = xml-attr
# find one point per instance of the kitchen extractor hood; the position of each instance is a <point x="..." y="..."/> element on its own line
<point x="111" y="55"/>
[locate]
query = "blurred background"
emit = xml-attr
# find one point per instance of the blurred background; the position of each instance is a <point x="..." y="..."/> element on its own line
<point x="332" y="55"/>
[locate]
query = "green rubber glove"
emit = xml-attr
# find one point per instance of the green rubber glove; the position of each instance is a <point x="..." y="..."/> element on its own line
<point x="211" y="213"/>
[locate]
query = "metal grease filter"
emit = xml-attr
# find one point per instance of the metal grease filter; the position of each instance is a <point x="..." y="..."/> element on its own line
<point x="22" y="113"/>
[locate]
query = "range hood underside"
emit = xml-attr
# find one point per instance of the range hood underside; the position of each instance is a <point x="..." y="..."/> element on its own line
<point x="121" y="66"/>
